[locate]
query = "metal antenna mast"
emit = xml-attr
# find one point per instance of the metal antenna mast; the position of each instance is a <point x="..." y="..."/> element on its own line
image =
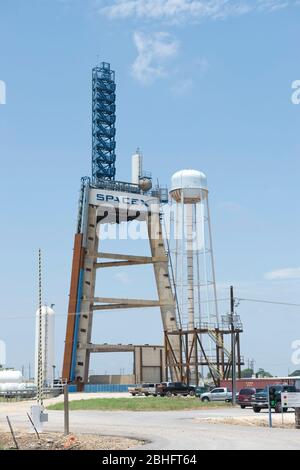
<point x="40" y="353"/>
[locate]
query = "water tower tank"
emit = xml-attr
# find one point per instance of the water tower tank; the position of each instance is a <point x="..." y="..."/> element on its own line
<point x="48" y="352"/>
<point x="189" y="186"/>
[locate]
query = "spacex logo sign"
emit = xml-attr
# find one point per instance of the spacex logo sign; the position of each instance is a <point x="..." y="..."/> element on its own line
<point x="120" y="200"/>
<point x="114" y="207"/>
<point x="110" y="198"/>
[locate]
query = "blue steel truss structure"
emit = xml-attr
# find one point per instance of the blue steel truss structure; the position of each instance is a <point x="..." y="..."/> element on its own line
<point x="103" y="129"/>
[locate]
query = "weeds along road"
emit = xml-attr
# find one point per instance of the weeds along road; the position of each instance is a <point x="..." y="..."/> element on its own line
<point x="178" y="430"/>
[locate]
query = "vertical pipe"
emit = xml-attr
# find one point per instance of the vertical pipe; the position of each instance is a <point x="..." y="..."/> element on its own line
<point x="190" y="287"/>
<point x="212" y="262"/>
<point x="196" y="357"/>
<point x="198" y="286"/>
<point x="188" y="372"/>
<point x="205" y="272"/>
<point x="182" y="254"/>
<point x="222" y="356"/>
<point x="238" y="343"/>
<point x="180" y="356"/>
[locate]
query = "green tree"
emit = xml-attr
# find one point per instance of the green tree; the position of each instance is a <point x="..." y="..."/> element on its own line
<point x="263" y="373"/>
<point x="247" y="373"/>
<point x="296" y="373"/>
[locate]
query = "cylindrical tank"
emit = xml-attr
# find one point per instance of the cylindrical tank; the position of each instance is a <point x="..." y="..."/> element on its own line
<point x="137" y="167"/>
<point x="47" y="343"/>
<point x="10" y="376"/>
<point x="189" y="186"/>
<point x="12" y="387"/>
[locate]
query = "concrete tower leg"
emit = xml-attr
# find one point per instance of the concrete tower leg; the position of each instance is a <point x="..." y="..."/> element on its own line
<point x="83" y="326"/>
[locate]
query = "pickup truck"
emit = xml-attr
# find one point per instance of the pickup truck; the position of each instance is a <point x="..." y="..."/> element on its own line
<point x="261" y="399"/>
<point x="167" y="389"/>
<point x="149" y="389"/>
<point x="136" y="390"/>
<point x="217" y="394"/>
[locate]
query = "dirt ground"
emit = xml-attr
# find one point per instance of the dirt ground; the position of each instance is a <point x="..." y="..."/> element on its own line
<point x="55" y="441"/>
<point x="260" y="421"/>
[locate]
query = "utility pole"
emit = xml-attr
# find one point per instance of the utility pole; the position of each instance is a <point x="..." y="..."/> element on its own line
<point x="233" y="355"/>
<point x="252" y="366"/>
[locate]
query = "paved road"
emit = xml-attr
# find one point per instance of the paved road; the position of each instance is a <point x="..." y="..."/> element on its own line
<point x="178" y="430"/>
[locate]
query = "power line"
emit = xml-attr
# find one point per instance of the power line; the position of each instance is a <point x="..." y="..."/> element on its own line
<point x="268" y="302"/>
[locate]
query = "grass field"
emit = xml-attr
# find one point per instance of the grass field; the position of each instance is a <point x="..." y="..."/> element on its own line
<point x="138" y="404"/>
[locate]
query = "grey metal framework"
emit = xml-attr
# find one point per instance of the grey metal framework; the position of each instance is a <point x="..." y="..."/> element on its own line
<point x="219" y="364"/>
<point x="103" y="123"/>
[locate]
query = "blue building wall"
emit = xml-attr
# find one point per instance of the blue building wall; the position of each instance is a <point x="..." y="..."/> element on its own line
<point x="94" y="388"/>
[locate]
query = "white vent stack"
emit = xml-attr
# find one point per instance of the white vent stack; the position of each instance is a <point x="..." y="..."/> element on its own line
<point x="193" y="263"/>
<point x="48" y="337"/>
<point x="137" y="167"/>
<point x="138" y="176"/>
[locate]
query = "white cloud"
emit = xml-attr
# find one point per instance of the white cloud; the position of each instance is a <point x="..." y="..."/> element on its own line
<point x="185" y="10"/>
<point x="122" y="277"/>
<point x="285" y="273"/>
<point x="182" y="87"/>
<point x="272" y="5"/>
<point x="154" y="51"/>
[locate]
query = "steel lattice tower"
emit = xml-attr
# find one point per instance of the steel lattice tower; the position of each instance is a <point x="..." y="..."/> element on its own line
<point x="104" y="118"/>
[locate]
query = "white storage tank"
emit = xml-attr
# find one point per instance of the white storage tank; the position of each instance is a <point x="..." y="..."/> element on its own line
<point x="12" y="387"/>
<point x="10" y="376"/>
<point x="48" y="337"/>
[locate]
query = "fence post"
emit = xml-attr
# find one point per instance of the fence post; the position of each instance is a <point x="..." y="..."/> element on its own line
<point x="297" y="418"/>
<point x="66" y="410"/>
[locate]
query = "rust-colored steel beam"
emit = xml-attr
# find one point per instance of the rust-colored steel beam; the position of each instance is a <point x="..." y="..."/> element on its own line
<point x="239" y="355"/>
<point x="76" y="265"/>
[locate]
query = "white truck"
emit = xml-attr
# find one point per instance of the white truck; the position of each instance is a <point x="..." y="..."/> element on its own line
<point x="217" y="394"/>
<point x="143" y="389"/>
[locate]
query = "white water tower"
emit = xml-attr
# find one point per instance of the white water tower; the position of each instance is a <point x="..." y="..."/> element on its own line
<point x="47" y="341"/>
<point x="192" y="254"/>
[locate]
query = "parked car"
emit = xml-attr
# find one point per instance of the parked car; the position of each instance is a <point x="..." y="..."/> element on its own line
<point x="217" y="394"/>
<point x="261" y="399"/>
<point x="167" y="389"/>
<point x="245" y="397"/>
<point x="149" y="389"/>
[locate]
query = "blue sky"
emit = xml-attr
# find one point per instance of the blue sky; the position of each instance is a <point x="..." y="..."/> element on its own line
<point x="202" y="84"/>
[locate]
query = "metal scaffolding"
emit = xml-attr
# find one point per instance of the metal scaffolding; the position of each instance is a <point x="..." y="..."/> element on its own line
<point x="193" y="352"/>
<point x="103" y="127"/>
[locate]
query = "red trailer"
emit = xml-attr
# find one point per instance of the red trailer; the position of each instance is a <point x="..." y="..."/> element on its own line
<point x="261" y="383"/>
